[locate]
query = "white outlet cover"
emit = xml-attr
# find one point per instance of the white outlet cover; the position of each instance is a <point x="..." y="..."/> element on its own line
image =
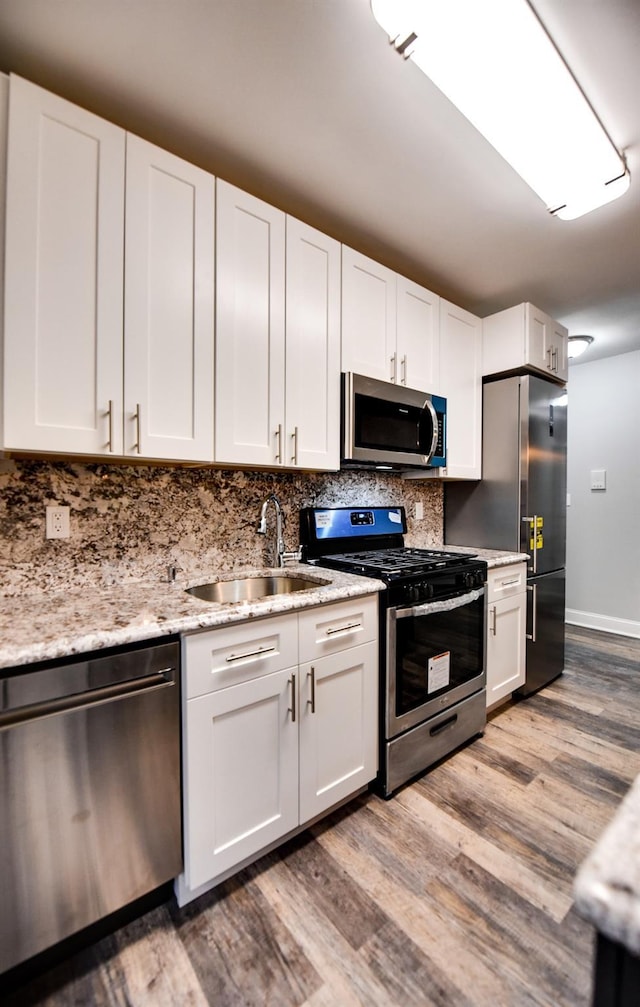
<point x="598" y="479"/>
<point x="57" y="522"/>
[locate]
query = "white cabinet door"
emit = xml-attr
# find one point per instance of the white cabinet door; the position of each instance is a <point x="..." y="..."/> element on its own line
<point x="368" y="317"/>
<point x="241" y="768"/>
<point x="560" y="347"/>
<point x="537" y="338"/>
<point x="169" y="274"/>
<point x="312" y="348"/>
<point x="64" y="265"/>
<point x="249" y="396"/>
<point x="461" y="384"/>
<point x="506" y="654"/>
<point x="338" y="727"/>
<point x="418" y="337"/>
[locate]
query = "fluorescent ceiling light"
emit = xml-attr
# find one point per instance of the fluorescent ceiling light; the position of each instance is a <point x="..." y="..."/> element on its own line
<point x="577" y="345"/>
<point x="496" y="63"/>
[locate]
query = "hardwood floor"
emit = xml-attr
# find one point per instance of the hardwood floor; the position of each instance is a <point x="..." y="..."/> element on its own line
<point x="456" y="892"/>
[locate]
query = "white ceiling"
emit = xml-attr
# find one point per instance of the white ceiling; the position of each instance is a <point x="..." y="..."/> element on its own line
<point x="304" y="103"/>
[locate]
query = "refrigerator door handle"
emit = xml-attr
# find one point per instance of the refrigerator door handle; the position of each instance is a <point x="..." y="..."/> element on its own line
<point x="533" y="525"/>
<point x="534" y="601"/>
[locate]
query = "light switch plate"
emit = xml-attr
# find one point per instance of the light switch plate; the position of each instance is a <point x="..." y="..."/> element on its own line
<point x="598" y="479"/>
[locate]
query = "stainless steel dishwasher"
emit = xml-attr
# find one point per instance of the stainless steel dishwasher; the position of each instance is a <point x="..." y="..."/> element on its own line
<point x="89" y="791"/>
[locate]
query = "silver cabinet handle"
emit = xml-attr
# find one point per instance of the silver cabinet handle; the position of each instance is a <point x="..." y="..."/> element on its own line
<point x="110" y="415"/>
<point x="534" y="591"/>
<point x="403" y="370"/>
<point x="344" y="629"/>
<point x="393" y="368"/>
<point x="294" y="438"/>
<point x="292" y="709"/>
<point x="494" y="620"/>
<point x="136" y="417"/>
<point x="260" y="652"/>
<point x="279" y="437"/>
<point x="509" y="583"/>
<point x="312" y="702"/>
<point x="549" y="359"/>
<point x="554" y="357"/>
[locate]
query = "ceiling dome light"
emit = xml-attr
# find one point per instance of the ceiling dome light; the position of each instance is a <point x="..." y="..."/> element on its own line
<point x="578" y="344"/>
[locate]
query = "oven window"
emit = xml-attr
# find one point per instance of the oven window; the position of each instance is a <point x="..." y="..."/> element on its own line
<point x="436" y="653"/>
<point x="388" y="426"/>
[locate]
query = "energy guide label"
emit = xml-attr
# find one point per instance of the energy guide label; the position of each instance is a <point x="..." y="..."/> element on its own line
<point x="438" y="671"/>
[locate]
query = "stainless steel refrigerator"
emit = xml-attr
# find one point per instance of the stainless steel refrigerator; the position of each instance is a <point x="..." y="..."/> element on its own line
<point x="520" y="505"/>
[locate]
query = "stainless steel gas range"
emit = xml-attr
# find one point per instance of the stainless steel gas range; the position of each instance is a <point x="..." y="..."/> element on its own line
<point x="432" y="617"/>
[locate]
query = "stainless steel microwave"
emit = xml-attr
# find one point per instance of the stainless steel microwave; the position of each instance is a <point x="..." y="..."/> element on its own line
<point x="389" y="426"/>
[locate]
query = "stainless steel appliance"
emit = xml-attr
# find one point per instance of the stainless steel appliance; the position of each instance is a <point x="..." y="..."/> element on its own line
<point x="432" y="616"/>
<point x="390" y="426"/>
<point x="89" y="791"/>
<point x="520" y="505"/>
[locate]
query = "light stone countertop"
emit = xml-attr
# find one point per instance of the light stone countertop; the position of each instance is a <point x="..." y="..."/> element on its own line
<point x="49" y="625"/>
<point x="607" y="886"/>
<point x="492" y="557"/>
<point x="43" y="626"/>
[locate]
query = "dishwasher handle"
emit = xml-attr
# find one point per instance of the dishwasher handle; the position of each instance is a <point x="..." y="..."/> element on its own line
<point x="162" y="679"/>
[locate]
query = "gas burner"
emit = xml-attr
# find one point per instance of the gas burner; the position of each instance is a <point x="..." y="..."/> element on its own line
<point x="396" y="562"/>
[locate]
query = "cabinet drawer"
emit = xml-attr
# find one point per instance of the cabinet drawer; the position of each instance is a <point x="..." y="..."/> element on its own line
<point x="234" y="654"/>
<point x="506" y="581"/>
<point x="337" y="627"/>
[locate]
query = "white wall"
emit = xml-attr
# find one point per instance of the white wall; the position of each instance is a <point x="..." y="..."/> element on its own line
<point x="603" y="527"/>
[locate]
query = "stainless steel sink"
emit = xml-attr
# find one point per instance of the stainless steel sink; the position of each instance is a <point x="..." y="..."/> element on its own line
<point x="252" y="588"/>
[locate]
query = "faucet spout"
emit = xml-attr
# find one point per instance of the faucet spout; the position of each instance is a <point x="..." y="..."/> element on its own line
<point x="262" y="526"/>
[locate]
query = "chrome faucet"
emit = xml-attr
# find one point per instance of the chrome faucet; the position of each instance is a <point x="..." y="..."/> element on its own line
<point x="281" y="555"/>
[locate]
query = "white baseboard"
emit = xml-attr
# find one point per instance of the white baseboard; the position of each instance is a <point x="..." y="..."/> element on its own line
<point x="605" y="623"/>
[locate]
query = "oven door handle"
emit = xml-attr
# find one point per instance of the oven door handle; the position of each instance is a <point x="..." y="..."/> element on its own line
<point x="447" y="605"/>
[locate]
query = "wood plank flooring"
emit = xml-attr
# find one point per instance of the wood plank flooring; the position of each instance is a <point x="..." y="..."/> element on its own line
<point x="456" y="892"/>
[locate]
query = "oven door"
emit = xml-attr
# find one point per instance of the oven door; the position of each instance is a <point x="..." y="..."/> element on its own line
<point x="435" y="657"/>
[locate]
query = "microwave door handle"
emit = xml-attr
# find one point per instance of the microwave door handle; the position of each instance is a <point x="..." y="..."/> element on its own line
<point x="448" y="605"/>
<point x="428" y="404"/>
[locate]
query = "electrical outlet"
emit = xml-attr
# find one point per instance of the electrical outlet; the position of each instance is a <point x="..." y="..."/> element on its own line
<point x="57" y="522"/>
<point x="419" y="510"/>
<point x="598" y="479"/>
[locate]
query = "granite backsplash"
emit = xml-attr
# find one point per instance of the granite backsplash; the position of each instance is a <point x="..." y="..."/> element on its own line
<point x="128" y="523"/>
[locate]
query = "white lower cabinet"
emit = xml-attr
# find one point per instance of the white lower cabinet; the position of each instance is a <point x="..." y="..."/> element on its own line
<point x="242" y="758"/>
<point x="506" y="628"/>
<point x="338" y="748"/>
<point x="278" y="727"/>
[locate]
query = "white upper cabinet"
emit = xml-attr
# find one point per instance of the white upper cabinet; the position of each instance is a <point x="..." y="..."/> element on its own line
<point x="390" y="325"/>
<point x="250" y="247"/>
<point x="312" y="348"/>
<point x="523" y="336"/>
<point x="418" y="337"/>
<point x="461" y="384"/>
<point x="277" y="385"/>
<point x="368" y="316"/>
<point x="169" y="336"/>
<point x="77" y="262"/>
<point x="64" y="276"/>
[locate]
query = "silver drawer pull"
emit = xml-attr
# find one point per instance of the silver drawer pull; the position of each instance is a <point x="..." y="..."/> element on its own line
<point x="510" y="583"/>
<point x="260" y="652"/>
<point x="344" y="629"/>
<point x="292" y="709"/>
<point x="312" y="702"/>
